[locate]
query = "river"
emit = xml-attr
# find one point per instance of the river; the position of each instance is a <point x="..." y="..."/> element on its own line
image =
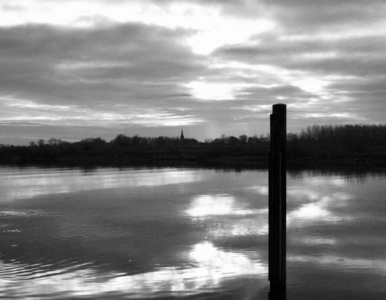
<point x="187" y="233"/>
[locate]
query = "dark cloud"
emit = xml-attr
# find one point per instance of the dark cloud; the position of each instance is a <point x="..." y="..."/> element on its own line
<point x="318" y="57"/>
<point x="43" y="61"/>
<point x="302" y="16"/>
<point x="11" y="7"/>
<point x="273" y="92"/>
<point x="352" y="56"/>
<point x="345" y="65"/>
<point x="127" y="69"/>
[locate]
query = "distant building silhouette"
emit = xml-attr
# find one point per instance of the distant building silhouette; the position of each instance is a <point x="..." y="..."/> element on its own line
<point x="182" y="135"/>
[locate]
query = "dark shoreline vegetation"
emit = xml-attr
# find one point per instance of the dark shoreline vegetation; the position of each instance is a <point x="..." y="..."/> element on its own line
<point x="315" y="146"/>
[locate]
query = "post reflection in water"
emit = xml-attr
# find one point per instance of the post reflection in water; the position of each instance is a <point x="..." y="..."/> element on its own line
<point x="195" y="233"/>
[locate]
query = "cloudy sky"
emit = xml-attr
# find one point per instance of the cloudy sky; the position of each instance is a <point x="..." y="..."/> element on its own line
<point x="73" y="69"/>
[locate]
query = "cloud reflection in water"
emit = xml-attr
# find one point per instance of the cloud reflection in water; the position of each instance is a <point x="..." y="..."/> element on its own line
<point x="34" y="182"/>
<point x="211" y="267"/>
<point x="220" y="204"/>
<point x="224" y="208"/>
<point x="316" y="201"/>
<point x="332" y="262"/>
<point x="318" y="207"/>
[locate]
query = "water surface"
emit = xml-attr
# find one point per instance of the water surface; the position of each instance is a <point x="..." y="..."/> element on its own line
<point x="186" y="233"/>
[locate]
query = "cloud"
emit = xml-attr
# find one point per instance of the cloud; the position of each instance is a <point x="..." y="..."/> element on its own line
<point x="47" y="58"/>
<point x="312" y="16"/>
<point x="324" y="50"/>
<point x="95" y="73"/>
<point x="182" y="60"/>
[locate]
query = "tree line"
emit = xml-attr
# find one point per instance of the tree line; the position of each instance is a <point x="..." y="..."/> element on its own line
<point x="313" y="142"/>
<point x="344" y="134"/>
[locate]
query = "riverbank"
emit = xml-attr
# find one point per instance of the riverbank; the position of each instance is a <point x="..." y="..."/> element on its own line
<point x="245" y="155"/>
<point x="358" y="162"/>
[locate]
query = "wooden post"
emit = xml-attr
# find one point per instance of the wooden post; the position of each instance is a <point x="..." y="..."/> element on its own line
<point x="277" y="203"/>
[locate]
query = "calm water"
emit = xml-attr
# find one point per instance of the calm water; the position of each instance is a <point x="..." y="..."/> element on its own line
<point x="186" y="233"/>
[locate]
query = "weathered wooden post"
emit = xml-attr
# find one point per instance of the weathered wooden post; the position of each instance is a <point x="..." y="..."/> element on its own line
<point x="277" y="203"/>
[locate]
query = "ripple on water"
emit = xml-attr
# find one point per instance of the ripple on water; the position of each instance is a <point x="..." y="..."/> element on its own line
<point x="22" y="213"/>
<point x="212" y="268"/>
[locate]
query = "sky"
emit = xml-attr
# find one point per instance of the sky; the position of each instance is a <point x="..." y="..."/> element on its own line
<point x="75" y="69"/>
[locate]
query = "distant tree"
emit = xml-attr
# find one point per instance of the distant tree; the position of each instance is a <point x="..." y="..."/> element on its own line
<point x="54" y="142"/>
<point x="92" y="143"/>
<point x="243" y="139"/>
<point x="292" y="137"/>
<point x="121" y="141"/>
<point x="254" y="140"/>
<point x="41" y="142"/>
<point x="161" y="141"/>
<point x="233" y="140"/>
<point x="135" y="141"/>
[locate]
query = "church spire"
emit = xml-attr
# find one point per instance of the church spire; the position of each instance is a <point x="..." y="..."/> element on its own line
<point x="182" y="135"/>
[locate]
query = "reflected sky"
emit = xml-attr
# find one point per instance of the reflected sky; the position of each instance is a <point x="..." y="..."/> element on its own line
<point x="238" y="218"/>
<point x="335" y="237"/>
<point x="221" y="204"/>
<point x="135" y="233"/>
<point x="343" y="263"/>
<point x="210" y="267"/>
<point x="316" y="199"/>
<point x="151" y="233"/>
<point x="320" y="208"/>
<point x="18" y="184"/>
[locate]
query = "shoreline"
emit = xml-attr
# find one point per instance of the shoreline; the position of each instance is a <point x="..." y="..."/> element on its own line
<point x="235" y="163"/>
